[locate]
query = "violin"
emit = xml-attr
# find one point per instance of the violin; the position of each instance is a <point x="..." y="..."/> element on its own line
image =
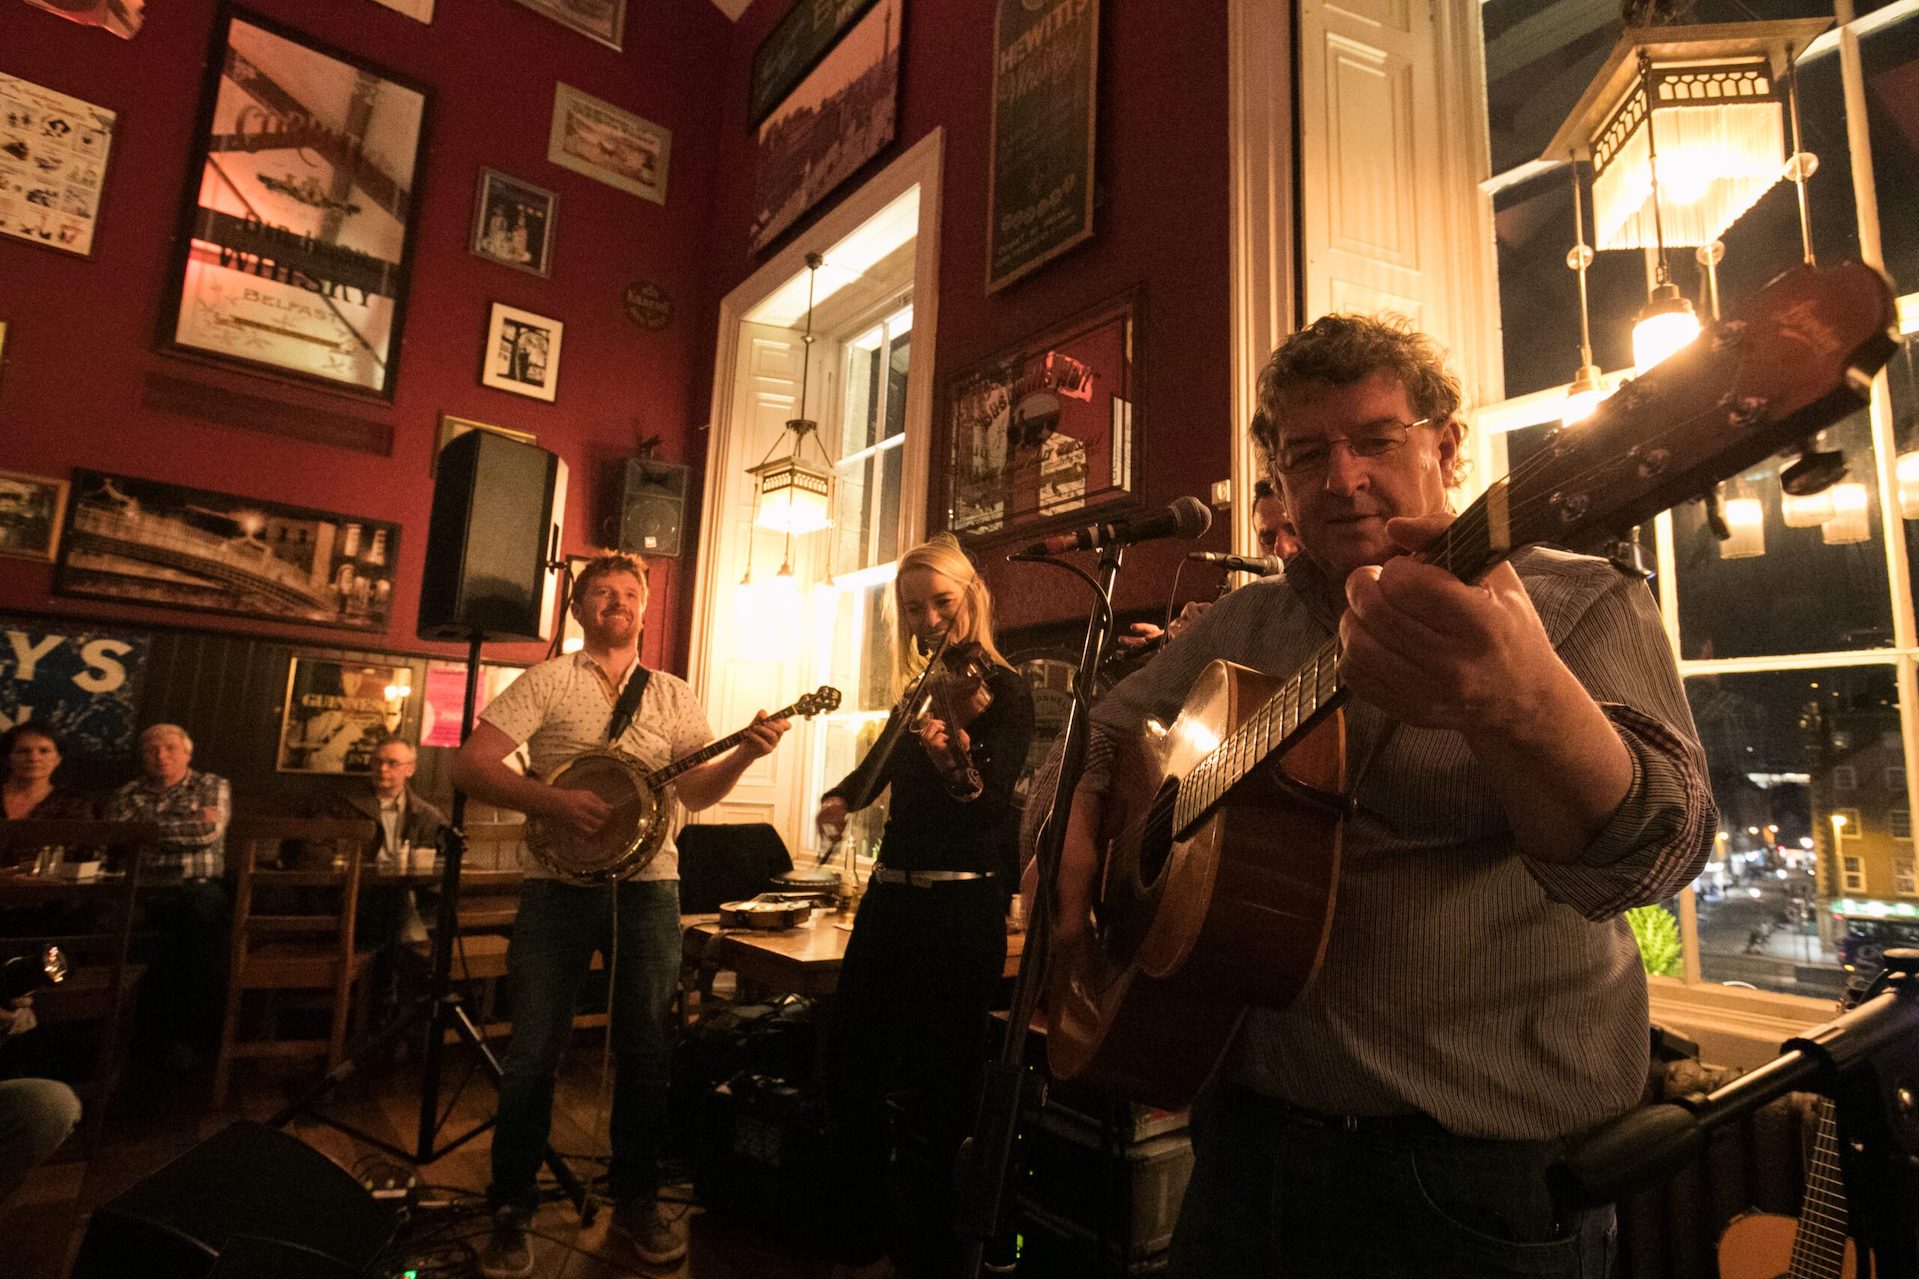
<point x="953" y="690"/>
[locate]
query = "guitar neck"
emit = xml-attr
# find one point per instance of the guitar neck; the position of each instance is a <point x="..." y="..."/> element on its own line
<point x="1819" y="1246"/>
<point x="711" y="750"/>
<point x="1466" y="549"/>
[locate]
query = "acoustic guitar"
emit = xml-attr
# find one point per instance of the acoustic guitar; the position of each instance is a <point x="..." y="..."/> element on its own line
<point x="1770" y="1245"/>
<point x="1220" y="836"/>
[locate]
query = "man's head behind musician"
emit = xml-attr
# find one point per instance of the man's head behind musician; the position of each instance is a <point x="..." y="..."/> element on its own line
<point x="938" y="589"/>
<point x="609" y="600"/>
<point x="1359" y="422"/>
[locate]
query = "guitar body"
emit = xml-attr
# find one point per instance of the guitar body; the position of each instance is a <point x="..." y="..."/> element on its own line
<point x="1188" y="932"/>
<point x="1759" y="1245"/>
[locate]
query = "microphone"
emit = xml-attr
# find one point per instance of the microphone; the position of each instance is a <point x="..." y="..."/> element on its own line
<point x="1264" y="565"/>
<point x="1186" y="518"/>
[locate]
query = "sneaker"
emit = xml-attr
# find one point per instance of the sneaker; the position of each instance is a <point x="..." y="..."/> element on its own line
<point x="655" y="1239"/>
<point x="507" y="1254"/>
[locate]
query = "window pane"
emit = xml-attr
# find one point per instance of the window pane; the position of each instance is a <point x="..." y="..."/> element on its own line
<point x="1794" y="854"/>
<point x="862" y="393"/>
<point x="846" y="743"/>
<point x="1810" y="592"/>
<point x="897" y="367"/>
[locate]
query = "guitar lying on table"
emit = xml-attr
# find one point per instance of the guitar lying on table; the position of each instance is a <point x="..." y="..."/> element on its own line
<point x="1220" y="838"/>
<point x="1770" y="1245"/>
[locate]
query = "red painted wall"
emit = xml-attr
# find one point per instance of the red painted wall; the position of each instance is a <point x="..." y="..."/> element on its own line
<point x="1161" y="219"/>
<point x="80" y="333"/>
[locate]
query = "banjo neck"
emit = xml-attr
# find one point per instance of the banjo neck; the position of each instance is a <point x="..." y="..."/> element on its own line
<point x="660" y="777"/>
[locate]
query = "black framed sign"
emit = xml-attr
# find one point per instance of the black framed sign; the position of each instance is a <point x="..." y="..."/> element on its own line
<point x="298" y="230"/>
<point x="1040" y="177"/>
<point x="793" y="47"/>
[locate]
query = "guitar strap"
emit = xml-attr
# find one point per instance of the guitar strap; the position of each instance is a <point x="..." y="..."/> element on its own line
<point x="628" y="702"/>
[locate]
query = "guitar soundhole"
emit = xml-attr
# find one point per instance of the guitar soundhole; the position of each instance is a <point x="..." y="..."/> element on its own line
<point x="1156" y="839"/>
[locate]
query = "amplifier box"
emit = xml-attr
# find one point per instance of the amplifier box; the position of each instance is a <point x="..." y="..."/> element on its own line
<point x="1127" y="1196"/>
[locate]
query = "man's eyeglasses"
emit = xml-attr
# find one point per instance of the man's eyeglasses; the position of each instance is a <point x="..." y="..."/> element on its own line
<point x="1306" y="457"/>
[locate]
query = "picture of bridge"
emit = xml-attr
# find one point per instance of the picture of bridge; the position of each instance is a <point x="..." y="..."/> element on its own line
<point x="159" y="544"/>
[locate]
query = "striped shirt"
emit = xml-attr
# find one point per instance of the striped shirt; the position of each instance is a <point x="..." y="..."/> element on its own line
<point x="1501" y="994"/>
<point x="191" y="845"/>
<point x="562" y="707"/>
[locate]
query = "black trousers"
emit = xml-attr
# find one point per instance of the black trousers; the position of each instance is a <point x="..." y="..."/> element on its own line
<point x="909" y="1017"/>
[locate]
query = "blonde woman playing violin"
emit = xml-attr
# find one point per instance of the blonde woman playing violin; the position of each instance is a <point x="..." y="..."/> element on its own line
<point x="928" y="946"/>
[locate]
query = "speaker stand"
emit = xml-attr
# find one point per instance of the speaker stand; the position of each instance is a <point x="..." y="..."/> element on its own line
<point x="442" y="1009"/>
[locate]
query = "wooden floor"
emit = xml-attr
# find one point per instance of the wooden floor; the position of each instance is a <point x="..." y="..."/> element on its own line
<point x="159" y="1116"/>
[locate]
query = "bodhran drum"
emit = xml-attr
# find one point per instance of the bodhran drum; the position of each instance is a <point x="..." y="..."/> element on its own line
<point x="631" y="835"/>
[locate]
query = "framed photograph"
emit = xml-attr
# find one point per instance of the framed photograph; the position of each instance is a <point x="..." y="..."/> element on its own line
<point x="53" y="166"/>
<point x="418" y="10"/>
<point x="32" y="508"/>
<point x="603" y="20"/>
<point x="336" y="713"/>
<point x="522" y="353"/>
<point x="513" y="223"/>
<point x="795" y="46"/>
<point x="1045" y="430"/>
<point x="609" y="145"/>
<point x="452" y="428"/>
<point x="119" y="17"/>
<point x="1039" y="178"/>
<point x="143" y="542"/>
<point x="839" y="117"/>
<point x="298" y="229"/>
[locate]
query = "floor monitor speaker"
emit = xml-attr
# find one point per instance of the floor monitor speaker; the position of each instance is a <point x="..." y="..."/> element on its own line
<point x="249" y="1190"/>
<point x="498" y="506"/>
<point x="653" y="507"/>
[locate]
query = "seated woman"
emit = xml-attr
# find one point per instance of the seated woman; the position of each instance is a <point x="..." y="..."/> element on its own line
<point x="30" y="753"/>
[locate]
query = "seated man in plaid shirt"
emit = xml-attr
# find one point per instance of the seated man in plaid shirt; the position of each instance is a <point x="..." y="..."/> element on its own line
<point x="187" y="981"/>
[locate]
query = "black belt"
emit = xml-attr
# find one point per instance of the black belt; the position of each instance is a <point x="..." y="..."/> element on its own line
<point x="1391" y="1127"/>
<point x="928" y="878"/>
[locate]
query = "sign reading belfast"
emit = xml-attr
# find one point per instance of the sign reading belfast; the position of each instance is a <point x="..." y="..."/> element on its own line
<point x="294" y="245"/>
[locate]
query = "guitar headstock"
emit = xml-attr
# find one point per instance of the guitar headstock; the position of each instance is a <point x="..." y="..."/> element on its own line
<point x="1798" y="357"/>
<point x="825" y="698"/>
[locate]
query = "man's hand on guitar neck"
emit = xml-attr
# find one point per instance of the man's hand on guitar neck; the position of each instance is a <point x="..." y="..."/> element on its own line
<point x="708" y="784"/>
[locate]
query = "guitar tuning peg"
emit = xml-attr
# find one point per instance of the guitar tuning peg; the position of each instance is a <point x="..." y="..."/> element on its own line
<point x="1714" y="520"/>
<point x="1816" y="471"/>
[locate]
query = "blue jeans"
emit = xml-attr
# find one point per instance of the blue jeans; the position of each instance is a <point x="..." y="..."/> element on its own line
<point x="558" y="928"/>
<point x="1273" y="1196"/>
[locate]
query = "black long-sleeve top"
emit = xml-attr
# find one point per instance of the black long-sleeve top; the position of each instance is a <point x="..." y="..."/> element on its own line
<point x="926" y="828"/>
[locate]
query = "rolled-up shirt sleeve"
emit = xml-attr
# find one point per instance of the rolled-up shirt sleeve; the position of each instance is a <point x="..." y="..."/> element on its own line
<point x="1658" y="839"/>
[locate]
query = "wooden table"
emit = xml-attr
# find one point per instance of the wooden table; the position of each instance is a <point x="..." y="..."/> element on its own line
<point x="799" y="961"/>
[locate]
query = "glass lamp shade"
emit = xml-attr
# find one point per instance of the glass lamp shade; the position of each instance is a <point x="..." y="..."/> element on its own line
<point x="1806" y="512"/>
<point x="1665" y="324"/>
<point x="1746" y="521"/>
<point x="795" y="496"/>
<point x="1851" y="515"/>
<point x="1585" y="395"/>
<point x="1906" y="469"/>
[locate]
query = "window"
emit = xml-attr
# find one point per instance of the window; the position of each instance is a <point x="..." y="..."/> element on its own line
<point x="854" y="631"/>
<point x="1792" y="659"/>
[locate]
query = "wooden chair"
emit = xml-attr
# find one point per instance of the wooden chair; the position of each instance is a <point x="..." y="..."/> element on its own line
<point x="102" y="980"/>
<point x="281" y="941"/>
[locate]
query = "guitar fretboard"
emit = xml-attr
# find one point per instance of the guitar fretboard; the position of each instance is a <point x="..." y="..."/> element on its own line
<point x="1471" y="544"/>
<point x="712" y="749"/>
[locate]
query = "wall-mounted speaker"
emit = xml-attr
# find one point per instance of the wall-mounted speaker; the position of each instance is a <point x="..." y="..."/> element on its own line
<point x="498" y="506"/>
<point x="249" y="1191"/>
<point x="653" y="507"/>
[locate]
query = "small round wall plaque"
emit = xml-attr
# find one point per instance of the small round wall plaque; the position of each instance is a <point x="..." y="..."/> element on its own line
<point x="647" y="305"/>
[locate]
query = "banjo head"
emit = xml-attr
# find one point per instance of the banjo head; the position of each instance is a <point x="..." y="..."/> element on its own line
<point x="631" y="835"/>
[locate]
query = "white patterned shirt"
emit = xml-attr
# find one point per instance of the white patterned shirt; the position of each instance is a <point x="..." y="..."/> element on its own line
<point x="191" y="845"/>
<point x="560" y="708"/>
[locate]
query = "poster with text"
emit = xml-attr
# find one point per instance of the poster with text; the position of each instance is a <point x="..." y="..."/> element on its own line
<point x="299" y="225"/>
<point x="53" y="166"/>
<point x="337" y="713"/>
<point x="80" y="679"/>
<point x="1040" y="178"/>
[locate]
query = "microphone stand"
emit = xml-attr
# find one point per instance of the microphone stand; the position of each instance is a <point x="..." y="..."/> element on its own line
<point x="1867" y="1061"/>
<point x="985" y="1159"/>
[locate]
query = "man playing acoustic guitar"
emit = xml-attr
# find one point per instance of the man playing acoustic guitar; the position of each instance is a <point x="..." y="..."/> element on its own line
<point x="1523" y="768"/>
<point x="559" y="709"/>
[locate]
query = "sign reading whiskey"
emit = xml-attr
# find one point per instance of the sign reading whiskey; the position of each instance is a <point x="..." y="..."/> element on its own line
<point x="1045" y="72"/>
<point x="295" y="241"/>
